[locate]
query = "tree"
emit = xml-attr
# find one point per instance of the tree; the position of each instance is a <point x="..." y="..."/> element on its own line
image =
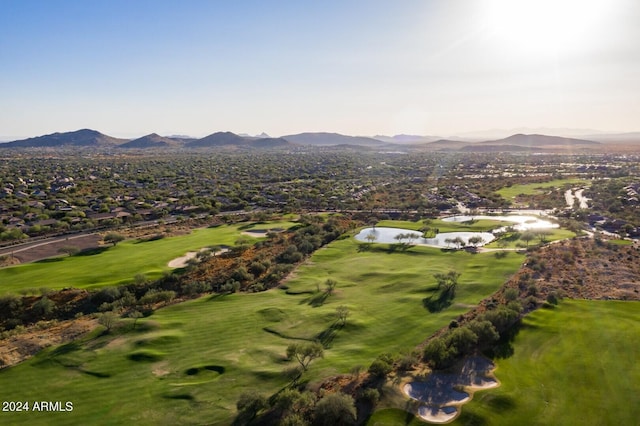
<point x="485" y="331"/>
<point x="476" y="240"/>
<point x="448" y="282"/>
<point x="527" y="237"/>
<point x="436" y="353"/>
<point x="371" y="237"/>
<point x="290" y="401"/>
<point x="44" y="306"/>
<point x="304" y="353"/>
<point x="250" y="403"/>
<point x="459" y="242"/>
<point x="135" y="315"/>
<point x="113" y="238"/>
<point x="342" y="313"/>
<point x="336" y="409"/>
<point x="461" y="340"/>
<point x="380" y="367"/>
<point x="330" y="286"/>
<point x="542" y="235"/>
<point x="108" y="320"/>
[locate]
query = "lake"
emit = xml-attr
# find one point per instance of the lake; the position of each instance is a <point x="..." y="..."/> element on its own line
<point x="388" y="235"/>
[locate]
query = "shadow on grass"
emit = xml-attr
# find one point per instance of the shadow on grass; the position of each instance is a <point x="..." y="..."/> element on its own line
<point x="195" y="370"/>
<point x="318" y="299"/>
<point x="364" y="247"/>
<point x="432" y="289"/>
<point x="326" y="336"/>
<point x="95" y="374"/>
<point x="180" y="396"/>
<point x="285" y="336"/>
<point x="93" y="251"/>
<point x="218" y="297"/>
<point x="65" y="349"/>
<point x="50" y="260"/>
<point x="436" y="304"/>
<point x="503" y="348"/>
<point x="471" y="419"/>
<point x="500" y="402"/>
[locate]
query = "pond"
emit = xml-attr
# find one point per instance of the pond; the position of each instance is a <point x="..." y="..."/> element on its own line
<point x="389" y="235"/>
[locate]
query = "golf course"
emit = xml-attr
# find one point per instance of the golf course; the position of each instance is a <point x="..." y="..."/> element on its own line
<point x="113" y="265"/>
<point x="572" y="364"/>
<point x="191" y="361"/>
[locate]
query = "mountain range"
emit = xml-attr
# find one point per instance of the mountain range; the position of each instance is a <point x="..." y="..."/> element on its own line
<point x="230" y="141"/>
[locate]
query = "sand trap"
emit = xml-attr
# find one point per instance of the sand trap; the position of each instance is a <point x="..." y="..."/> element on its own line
<point x="182" y="261"/>
<point x="437" y="415"/>
<point x="258" y="233"/>
<point x="436" y="391"/>
<point x="439" y="392"/>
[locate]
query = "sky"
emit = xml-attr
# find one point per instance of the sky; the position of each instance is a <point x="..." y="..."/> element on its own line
<point x="366" y="67"/>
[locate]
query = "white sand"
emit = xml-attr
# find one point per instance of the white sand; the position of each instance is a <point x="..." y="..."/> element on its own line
<point x="438" y="395"/>
<point x="257" y="233"/>
<point x="437" y="415"/>
<point x="182" y="261"/>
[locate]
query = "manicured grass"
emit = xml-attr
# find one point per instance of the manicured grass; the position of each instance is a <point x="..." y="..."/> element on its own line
<point x="478" y="225"/>
<point x="118" y="265"/>
<point x="189" y="363"/>
<point x="575" y="364"/>
<point x="510" y="192"/>
<point x="621" y="242"/>
<point x="555" y="234"/>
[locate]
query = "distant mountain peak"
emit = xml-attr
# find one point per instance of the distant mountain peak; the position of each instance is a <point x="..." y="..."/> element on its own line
<point x="331" y="139"/>
<point x="82" y="137"/>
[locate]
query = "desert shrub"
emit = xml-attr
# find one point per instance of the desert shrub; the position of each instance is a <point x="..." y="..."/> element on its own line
<point x="436" y="353"/>
<point x="381" y="366"/>
<point x="372" y="395"/>
<point x="461" y="340"/>
<point x="485" y="331"/>
<point x="511" y="294"/>
<point x="154" y="296"/>
<point x="552" y="298"/>
<point x="335" y="409"/>
<point x="107" y="294"/>
<point x="250" y="403"/>
<point x="44" y="306"/>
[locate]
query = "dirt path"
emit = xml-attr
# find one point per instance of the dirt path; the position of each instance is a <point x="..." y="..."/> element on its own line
<point x="38" y="250"/>
<point x="16" y="349"/>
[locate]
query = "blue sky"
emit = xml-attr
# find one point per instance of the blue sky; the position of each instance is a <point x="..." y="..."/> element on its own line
<point x="445" y="67"/>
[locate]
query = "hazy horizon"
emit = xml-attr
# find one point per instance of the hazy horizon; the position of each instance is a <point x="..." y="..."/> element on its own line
<point x="369" y="68"/>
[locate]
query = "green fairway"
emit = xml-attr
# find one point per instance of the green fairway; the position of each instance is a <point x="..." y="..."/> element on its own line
<point x="120" y="264"/>
<point x="554" y="234"/>
<point x="478" y="225"/>
<point x="510" y="192"/>
<point x="575" y="364"/>
<point x="188" y="363"/>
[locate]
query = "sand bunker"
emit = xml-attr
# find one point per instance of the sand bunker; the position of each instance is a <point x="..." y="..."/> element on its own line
<point x="436" y="391"/>
<point x="440" y="392"/>
<point x="257" y="233"/>
<point x="183" y="261"/>
<point x="437" y="415"/>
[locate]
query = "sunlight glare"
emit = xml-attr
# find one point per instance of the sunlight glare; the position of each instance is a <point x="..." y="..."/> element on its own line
<point x="543" y="26"/>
